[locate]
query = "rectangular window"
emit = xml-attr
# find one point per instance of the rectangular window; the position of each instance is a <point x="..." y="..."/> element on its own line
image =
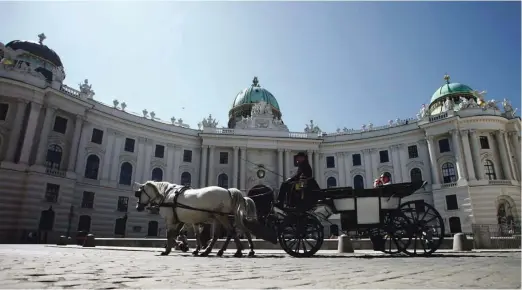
<point x="356" y="159"/>
<point x="444" y="145"/>
<point x="88" y="199"/>
<point x="4" y="108"/>
<point x="451" y="202"/>
<point x="123" y="203"/>
<point x="51" y="192"/>
<point x="129" y="145"/>
<point x="160" y="151"/>
<point x="187" y="156"/>
<point x="413" y="152"/>
<point x="330" y="162"/>
<point x="223" y="157"/>
<point x="384" y="156"/>
<point x="60" y="125"/>
<point x="484" y="142"/>
<point x="97" y="136"/>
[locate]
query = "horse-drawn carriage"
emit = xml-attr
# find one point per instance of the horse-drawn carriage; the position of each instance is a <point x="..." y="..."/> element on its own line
<point x="392" y="226"/>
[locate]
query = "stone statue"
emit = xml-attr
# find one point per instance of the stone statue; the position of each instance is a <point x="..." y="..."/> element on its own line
<point x="480" y="97"/>
<point x="123" y="106"/>
<point x="338" y="130"/>
<point x="423" y="111"/>
<point x="464" y="104"/>
<point x="85" y="89"/>
<point x="209" y="122"/>
<point x="173" y="120"/>
<point x="152" y="115"/>
<point x="180" y="121"/>
<point x="370" y="126"/>
<point x="397" y="121"/>
<point x="508" y="109"/>
<point x="115" y="103"/>
<point x="472" y="103"/>
<point x="312" y="128"/>
<point x="363" y="127"/>
<point x="145" y="112"/>
<point x="41" y="38"/>
<point x="491" y="104"/>
<point x="448" y="105"/>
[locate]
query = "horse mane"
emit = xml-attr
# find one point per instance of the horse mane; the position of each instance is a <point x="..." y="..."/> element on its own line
<point x="161" y="186"/>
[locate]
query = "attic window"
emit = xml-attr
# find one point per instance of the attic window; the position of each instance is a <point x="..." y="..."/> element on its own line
<point x="256" y="90"/>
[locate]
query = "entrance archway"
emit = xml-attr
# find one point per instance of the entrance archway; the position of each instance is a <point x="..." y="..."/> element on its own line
<point x="506" y="214"/>
<point x="46" y="224"/>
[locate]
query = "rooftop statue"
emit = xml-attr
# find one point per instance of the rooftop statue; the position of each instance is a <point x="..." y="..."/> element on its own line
<point x="508" y="109"/>
<point x="423" y="112"/>
<point x="85" y="89"/>
<point x="312" y="128"/>
<point x="448" y="105"/>
<point x="41" y="38"/>
<point x="261" y="108"/>
<point x="209" y="122"/>
<point x="480" y="97"/>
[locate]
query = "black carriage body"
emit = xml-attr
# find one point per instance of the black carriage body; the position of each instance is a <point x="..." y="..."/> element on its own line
<point x="362" y="209"/>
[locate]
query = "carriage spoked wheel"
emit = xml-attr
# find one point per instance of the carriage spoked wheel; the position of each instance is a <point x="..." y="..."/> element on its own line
<point x="425" y="227"/>
<point x="301" y="235"/>
<point x="395" y="233"/>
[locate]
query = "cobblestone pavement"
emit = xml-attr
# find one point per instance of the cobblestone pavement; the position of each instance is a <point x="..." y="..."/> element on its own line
<point x="39" y="266"/>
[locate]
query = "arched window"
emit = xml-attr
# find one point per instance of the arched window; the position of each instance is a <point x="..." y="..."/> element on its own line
<point x="152" y="230"/>
<point x="126" y="173"/>
<point x="415" y="175"/>
<point x="186" y="178"/>
<point x="92" y="167"/>
<point x="84" y="224"/>
<point x="331" y="182"/>
<point x="157" y="174"/>
<point x="387" y="174"/>
<point x="54" y="157"/>
<point x="448" y="173"/>
<point x="358" y="182"/>
<point x="489" y="169"/>
<point x="223" y="180"/>
<point x="454" y="224"/>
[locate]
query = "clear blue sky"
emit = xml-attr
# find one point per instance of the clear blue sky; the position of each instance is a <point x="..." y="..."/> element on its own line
<point x="338" y="63"/>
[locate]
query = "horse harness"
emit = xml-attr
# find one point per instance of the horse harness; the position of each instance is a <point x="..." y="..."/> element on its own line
<point x="175" y="204"/>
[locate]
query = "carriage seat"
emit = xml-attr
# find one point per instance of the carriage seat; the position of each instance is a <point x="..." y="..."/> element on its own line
<point x="263" y="200"/>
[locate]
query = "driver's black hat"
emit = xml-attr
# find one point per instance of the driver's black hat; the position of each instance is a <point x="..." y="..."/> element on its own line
<point x="302" y="154"/>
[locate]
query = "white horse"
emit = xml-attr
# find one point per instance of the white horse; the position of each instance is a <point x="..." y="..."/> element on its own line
<point x="179" y="205"/>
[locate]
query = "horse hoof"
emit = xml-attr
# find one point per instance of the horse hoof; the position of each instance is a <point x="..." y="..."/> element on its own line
<point x="184" y="249"/>
<point x="195" y="253"/>
<point x="219" y="253"/>
<point x="204" y="254"/>
<point x="251" y="253"/>
<point x="238" y="254"/>
<point x="164" y="253"/>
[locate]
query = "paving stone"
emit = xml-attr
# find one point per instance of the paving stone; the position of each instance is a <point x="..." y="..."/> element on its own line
<point x="38" y="266"/>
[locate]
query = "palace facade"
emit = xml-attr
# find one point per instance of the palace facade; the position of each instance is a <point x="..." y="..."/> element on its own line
<point x="68" y="161"/>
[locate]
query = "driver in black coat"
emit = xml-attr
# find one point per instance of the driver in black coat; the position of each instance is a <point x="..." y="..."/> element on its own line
<point x="304" y="170"/>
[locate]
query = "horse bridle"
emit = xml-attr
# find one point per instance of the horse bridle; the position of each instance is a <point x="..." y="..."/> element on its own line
<point x="151" y="202"/>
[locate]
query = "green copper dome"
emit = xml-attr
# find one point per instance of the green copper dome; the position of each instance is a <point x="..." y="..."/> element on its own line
<point x="255" y="94"/>
<point x="449" y="89"/>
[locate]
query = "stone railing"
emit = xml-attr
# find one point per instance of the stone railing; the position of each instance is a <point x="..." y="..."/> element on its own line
<point x="448" y="185"/>
<point x="55" y="172"/>
<point x="226" y="131"/>
<point x="499" y="182"/>
<point x="373" y="129"/>
<point x="435" y="118"/>
<point x="70" y="91"/>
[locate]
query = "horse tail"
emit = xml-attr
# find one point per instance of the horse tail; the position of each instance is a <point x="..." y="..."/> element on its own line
<point x="241" y="210"/>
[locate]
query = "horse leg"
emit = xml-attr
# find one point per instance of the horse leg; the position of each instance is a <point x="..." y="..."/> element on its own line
<point x="198" y="239"/>
<point x="209" y="247"/>
<point x="250" y="244"/>
<point x="225" y="244"/>
<point x="172" y="231"/>
<point x="224" y="220"/>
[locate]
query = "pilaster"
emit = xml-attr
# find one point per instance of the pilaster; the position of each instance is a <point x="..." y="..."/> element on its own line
<point x="107" y="158"/>
<point x="116" y="152"/>
<point x="211" y="165"/>
<point x="342" y="173"/>
<point x="368" y="168"/>
<point x="141" y="159"/>
<point x="475" y="150"/>
<point x="14" y="136"/>
<point x="30" y="132"/>
<point x="203" y="166"/>
<point x="280" y="164"/>
<point x="499" y="136"/>
<point x="73" y="155"/>
<point x="243" y="171"/>
<point x="433" y="160"/>
<point x="235" y="168"/>
<point x="467" y="155"/>
<point x="348" y="169"/>
<point x="44" y="136"/>
<point x="456" y="140"/>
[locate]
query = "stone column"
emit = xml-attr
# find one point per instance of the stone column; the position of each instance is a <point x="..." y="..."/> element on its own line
<point x="467" y="154"/>
<point x="397" y="169"/>
<point x="116" y="151"/>
<point x="317" y="166"/>
<point x="428" y="167"/>
<point x="433" y="160"/>
<point x="374" y="154"/>
<point x="509" y="153"/>
<point x="169" y="176"/>
<point x="368" y="168"/>
<point x="499" y="136"/>
<point x="107" y="158"/>
<point x="14" y="136"/>
<point x="178" y="155"/>
<point x="455" y="140"/>
<point x="342" y="173"/>
<point x="280" y="165"/>
<point x="148" y="158"/>
<point x="515" y="145"/>
<point x="141" y="159"/>
<point x="403" y="160"/>
<point x="475" y="150"/>
<point x="235" y="168"/>
<point x="287" y="163"/>
<point x="78" y="124"/>
<point x="242" y="173"/>
<point x="30" y="133"/>
<point x="41" y="153"/>
<point x="348" y="169"/>
<point x="211" y="164"/>
<point x="203" y="166"/>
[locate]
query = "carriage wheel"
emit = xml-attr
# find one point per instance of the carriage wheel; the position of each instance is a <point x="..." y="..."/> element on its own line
<point x="425" y="227"/>
<point x="395" y="233"/>
<point x="301" y="235"/>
